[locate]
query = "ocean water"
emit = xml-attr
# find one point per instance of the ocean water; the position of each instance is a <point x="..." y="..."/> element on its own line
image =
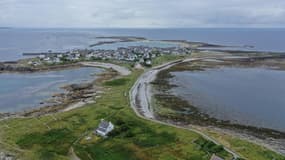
<point x="13" y="42"/>
<point x="26" y="91"/>
<point x="249" y="96"/>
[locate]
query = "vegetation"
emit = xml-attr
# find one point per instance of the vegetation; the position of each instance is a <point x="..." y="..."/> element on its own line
<point x="117" y="82"/>
<point x="210" y="147"/>
<point x="246" y="149"/>
<point x="159" y="60"/>
<point x="52" y="136"/>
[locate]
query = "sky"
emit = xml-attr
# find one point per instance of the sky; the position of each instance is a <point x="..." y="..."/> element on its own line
<point x="142" y="13"/>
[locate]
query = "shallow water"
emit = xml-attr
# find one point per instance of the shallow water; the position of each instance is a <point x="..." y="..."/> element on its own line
<point x="248" y="96"/>
<point x="25" y="91"/>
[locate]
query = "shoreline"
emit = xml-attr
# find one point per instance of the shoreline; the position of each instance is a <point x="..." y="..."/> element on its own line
<point x="17" y="67"/>
<point x="76" y="95"/>
<point x="140" y="101"/>
<point x="145" y="110"/>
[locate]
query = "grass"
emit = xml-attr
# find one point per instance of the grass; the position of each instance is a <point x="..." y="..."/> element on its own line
<point x="246" y="149"/>
<point x="166" y="58"/>
<point x="50" y="137"/>
<point x="134" y="138"/>
<point x="210" y="147"/>
<point x="116" y="82"/>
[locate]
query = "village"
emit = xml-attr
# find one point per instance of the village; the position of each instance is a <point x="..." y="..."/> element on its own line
<point x="141" y="54"/>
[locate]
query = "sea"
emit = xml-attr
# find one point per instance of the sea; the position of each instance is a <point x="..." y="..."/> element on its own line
<point x="15" y="41"/>
<point x="24" y="91"/>
<point x="247" y="96"/>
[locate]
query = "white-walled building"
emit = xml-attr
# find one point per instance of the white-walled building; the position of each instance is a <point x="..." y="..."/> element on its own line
<point x="104" y="128"/>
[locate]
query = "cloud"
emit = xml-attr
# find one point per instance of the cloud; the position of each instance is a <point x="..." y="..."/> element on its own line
<point x="142" y="13"/>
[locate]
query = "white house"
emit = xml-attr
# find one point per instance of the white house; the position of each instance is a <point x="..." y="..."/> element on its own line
<point x="148" y="62"/>
<point x="59" y="55"/>
<point x="42" y="56"/>
<point x="46" y="59"/>
<point x="56" y="60"/>
<point x="104" y="128"/>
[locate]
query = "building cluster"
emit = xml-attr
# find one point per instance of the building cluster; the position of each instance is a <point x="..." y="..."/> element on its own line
<point x="142" y="54"/>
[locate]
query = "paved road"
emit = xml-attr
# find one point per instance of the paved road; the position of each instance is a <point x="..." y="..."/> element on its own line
<point x="140" y="97"/>
<point x="122" y="70"/>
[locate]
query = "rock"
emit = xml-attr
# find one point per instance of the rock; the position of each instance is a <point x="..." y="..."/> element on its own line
<point x="80" y="86"/>
<point x="14" y="68"/>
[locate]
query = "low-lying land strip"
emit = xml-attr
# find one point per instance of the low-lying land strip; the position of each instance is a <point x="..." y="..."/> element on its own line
<point x="53" y="136"/>
<point x="122" y="70"/>
<point x="140" y="96"/>
<point x="169" y="107"/>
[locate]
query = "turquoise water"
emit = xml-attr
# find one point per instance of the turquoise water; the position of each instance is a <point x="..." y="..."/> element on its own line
<point x="25" y="91"/>
<point x="249" y="96"/>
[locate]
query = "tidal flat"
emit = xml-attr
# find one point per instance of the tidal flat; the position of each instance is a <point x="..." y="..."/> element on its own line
<point x="228" y="93"/>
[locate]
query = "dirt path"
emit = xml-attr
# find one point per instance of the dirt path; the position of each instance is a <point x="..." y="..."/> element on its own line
<point x="72" y="155"/>
<point x="140" y="97"/>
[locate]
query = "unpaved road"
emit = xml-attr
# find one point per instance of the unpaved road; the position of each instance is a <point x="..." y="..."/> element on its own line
<point x="72" y="155"/>
<point x="140" y="99"/>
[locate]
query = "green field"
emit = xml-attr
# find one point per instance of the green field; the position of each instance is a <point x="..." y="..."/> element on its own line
<point x="52" y="136"/>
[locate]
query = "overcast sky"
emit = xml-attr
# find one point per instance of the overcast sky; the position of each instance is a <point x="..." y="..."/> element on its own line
<point x="142" y="13"/>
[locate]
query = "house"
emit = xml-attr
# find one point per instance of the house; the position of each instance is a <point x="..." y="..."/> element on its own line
<point x="46" y="59"/>
<point x="148" y="62"/>
<point x="34" y="63"/>
<point x="104" y="128"/>
<point x="214" y="157"/>
<point x="59" y="55"/>
<point x="56" y="60"/>
<point x="42" y="56"/>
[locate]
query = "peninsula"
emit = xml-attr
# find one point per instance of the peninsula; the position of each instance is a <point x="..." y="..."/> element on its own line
<point x="145" y="124"/>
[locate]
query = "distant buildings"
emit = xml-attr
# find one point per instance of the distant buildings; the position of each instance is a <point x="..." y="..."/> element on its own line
<point x="142" y="54"/>
<point x="104" y="128"/>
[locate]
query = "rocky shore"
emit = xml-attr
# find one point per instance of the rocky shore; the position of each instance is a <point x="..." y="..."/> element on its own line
<point x="75" y="95"/>
<point x="5" y="156"/>
<point x="19" y="67"/>
<point x="173" y="109"/>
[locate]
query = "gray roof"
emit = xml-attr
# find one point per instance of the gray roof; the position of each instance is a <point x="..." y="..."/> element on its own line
<point x="104" y="124"/>
<point x="101" y="129"/>
<point x="214" y="157"/>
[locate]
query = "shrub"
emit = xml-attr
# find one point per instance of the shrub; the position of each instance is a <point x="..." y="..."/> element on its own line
<point x="208" y="146"/>
<point x="117" y="82"/>
<point x="56" y="140"/>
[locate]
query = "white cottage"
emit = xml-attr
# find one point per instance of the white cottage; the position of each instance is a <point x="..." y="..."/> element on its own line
<point x="104" y="128"/>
